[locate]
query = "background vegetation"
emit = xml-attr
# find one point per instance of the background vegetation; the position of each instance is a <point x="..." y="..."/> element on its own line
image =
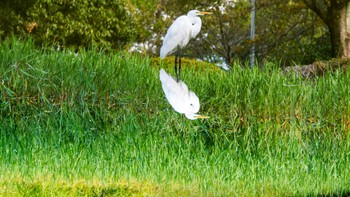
<point x="287" y="31"/>
<point x="96" y="123"/>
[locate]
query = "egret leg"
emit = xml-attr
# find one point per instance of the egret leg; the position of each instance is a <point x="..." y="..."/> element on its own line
<point x="179" y="67"/>
<point x="176" y="68"/>
<point x="178" y="55"/>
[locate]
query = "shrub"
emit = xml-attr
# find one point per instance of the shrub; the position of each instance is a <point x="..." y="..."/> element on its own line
<point x="76" y="23"/>
<point x="12" y="16"/>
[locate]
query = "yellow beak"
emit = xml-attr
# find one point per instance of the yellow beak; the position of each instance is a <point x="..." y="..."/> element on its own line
<point x="203" y="13"/>
<point x="202" y="117"/>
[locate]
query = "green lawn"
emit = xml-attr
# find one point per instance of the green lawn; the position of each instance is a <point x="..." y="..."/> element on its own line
<point x="98" y="124"/>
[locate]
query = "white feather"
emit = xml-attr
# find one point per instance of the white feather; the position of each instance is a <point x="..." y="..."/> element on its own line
<point x="179" y="96"/>
<point x="180" y="32"/>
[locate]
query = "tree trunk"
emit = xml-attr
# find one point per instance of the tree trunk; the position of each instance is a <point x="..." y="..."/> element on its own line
<point x="346" y="30"/>
<point x="336" y="15"/>
<point x="338" y="24"/>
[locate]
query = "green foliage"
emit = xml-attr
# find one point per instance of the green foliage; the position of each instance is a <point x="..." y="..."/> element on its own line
<point x="316" y="49"/>
<point x="12" y="16"/>
<point x="147" y="17"/>
<point x="225" y="33"/>
<point x="83" y="23"/>
<point x="78" y="23"/>
<point x="286" y="31"/>
<point x="98" y="124"/>
<point x="290" y="33"/>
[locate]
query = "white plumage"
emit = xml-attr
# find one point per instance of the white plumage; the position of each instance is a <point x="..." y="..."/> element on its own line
<point x="180" y="97"/>
<point x="181" y="31"/>
<point x="179" y="34"/>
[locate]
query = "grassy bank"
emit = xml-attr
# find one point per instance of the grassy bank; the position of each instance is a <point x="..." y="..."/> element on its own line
<point x="95" y="123"/>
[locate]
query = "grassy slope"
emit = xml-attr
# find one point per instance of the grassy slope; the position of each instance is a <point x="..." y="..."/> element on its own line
<point x="99" y="124"/>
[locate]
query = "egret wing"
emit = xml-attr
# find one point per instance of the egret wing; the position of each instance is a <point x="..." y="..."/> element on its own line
<point x="178" y="35"/>
<point x="177" y="93"/>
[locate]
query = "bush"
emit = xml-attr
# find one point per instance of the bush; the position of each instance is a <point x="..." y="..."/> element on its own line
<point x="12" y="16"/>
<point x="77" y="23"/>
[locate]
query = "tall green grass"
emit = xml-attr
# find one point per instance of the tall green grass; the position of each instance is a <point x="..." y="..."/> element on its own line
<point x="96" y="123"/>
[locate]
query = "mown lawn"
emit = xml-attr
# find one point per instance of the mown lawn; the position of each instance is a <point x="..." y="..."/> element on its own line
<point x="98" y="124"/>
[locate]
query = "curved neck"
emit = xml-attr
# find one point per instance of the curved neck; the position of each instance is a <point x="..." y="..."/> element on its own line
<point x="196" y="26"/>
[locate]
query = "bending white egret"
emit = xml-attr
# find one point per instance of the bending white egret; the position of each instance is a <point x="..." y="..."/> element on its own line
<point x="180" y="97"/>
<point x="179" y="34"/>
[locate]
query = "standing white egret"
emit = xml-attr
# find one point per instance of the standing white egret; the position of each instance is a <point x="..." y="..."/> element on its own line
<point x="179" y="34"/>
<point x="180" y="97"/>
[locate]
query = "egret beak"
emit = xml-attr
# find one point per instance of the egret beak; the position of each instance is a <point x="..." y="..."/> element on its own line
<point x="203" y="13"/>
<point x="201" y="117"/>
